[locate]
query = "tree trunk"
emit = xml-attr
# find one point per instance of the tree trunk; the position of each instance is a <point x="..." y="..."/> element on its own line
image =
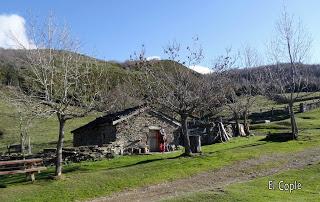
<point x="246" y="123"/>
<point x="29" y="146"/>
<point x="294" y="127"/>
<point x="236" y="119"/>
<point x="22" y="143"/>
<point x="62" y="122"/>
<point x="186" y="140"/>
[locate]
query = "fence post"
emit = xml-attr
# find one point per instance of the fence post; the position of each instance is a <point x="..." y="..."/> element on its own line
<point x="302" y="107"/>
<point x="287" y="109"/>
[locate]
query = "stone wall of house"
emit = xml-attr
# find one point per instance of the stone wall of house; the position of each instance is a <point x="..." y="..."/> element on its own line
<point x="135" y="130"/>
<point x="98" y="135"/>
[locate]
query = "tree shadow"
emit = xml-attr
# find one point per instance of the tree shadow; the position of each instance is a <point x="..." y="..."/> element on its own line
<point x="239" y="147"/>
<point x="272" y="115"/>
<point x="278" y="137"/>
<point x="48" y="174"/>
<point x="74" y="169"/>
<point x="44" y="175"/>
<point x="22" y="178"/>
<point x="147" y="161"/>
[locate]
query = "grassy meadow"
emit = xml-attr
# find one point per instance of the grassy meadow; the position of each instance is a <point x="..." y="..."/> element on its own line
<point x="43" y="132"/>
<point x="257" y="190"/>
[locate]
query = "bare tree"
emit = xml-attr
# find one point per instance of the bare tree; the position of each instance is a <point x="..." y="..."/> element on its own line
<point x="178" y="89"/>
<point x="250" y="83"/>
<point x="289" y="50"/>
<point x="27" y="111"/>
<point x="122" y="96"/>
<point x="59" y="78"/>
<point x="231" y="86"/>
<point x="240" y="85"/>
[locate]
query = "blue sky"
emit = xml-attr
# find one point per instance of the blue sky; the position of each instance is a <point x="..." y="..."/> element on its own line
<point x="114" y="29"/>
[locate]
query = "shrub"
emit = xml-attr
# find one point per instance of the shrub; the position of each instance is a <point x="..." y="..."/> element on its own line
<point x="3" y="186"/>
<point x="1" y="133"/>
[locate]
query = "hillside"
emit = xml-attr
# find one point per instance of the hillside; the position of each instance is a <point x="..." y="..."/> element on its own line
<point x="11" y="62"/>
<point x="262" y="74"/>
<point x="44" y="132"/>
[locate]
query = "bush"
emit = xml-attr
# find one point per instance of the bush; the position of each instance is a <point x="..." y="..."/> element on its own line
<point x="3" y="186"/>
<point x="9" y="75"/>
<point x="1" y="133"/>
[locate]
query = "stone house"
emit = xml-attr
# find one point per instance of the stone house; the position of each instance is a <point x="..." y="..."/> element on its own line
<point x="135" y="127"/>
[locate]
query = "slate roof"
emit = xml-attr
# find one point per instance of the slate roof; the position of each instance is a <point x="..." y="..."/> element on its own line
<point x="117" y="117"/>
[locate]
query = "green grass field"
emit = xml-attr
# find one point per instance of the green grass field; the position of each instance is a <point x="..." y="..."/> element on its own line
<point x="263" y="104"/>
<point x="305" y="122"/>
<point x="43" y="133"/>
<point x="258" y="190"/>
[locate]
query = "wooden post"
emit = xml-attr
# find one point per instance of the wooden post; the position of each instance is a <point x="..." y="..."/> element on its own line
<point x="287" y="109"/>
<point x="195" y="143"/>
<point x="29" y="145"/>
<point x="302" y="107"/>
<point x="32" y="177"/>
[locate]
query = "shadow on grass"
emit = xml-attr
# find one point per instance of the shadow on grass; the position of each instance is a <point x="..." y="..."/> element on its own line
<point x="48" y="175"/>
<point x="276" y="115"/>
<point x="74" y="168"/>
<point x="22" y="178"/>
<point x="45" y="175"/>
<point x="239" y="147"/>
<point x="278" y="137"/>
<point x="147" y="161"/>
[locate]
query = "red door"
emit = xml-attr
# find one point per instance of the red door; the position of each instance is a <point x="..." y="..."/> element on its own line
<point x="161" y="142"/>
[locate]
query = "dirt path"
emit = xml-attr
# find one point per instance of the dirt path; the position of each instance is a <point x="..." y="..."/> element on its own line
<point x="216" y="179"/>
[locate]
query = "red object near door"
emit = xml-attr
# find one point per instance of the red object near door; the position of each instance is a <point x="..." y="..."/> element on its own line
<point x="162" y="147"/>
<point x="161" y="142"/>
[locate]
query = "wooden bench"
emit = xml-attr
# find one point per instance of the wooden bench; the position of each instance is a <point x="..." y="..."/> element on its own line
<point x="14" y="148"/>
<point x="28" y="166"/>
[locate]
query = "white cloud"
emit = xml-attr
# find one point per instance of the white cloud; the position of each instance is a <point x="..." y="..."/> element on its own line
<point x="153" y="58"/>
<point x="13" y="32"/>
<point x="201" y="69"/>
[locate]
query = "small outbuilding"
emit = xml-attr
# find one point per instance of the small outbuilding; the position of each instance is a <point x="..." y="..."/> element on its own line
<point x="134" y="127"/>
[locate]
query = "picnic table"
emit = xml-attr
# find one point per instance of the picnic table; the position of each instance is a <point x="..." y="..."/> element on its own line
<point x="27" y="166"/>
